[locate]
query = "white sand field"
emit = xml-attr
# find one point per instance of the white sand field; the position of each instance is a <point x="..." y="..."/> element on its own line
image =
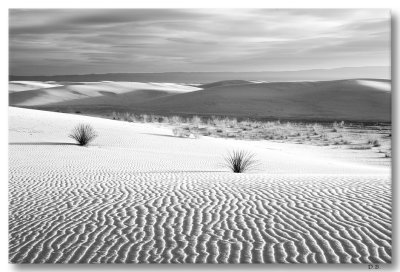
<point x="140" y="195"/>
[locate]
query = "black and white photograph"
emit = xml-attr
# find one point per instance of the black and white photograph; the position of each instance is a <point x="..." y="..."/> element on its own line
<point x="199" y="136"/>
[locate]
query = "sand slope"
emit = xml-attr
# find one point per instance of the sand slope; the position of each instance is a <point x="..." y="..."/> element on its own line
<point x="140" y="195"/>
<point x="93" y="93"/>
<point x="351" y="100"/>
<point x="362" y="100"/>
<point x="20" y="86"/>
<point x="225" y="83"/>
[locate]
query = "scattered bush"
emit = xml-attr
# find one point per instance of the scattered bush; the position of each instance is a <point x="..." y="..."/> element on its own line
<point x="83" y="134"/>
<point x="195" y="134"/>
<point x="317" y="128"/>
<point x="175" y="119"/>
<point x="175" y="131"/>
<point x="181" y="132"/>
<point x="230" y="127"/>
<point x="376" y="143"/>
<point x="240" y="161"/>
<point x="196" y="120"/>
<point x="346" y="142"/>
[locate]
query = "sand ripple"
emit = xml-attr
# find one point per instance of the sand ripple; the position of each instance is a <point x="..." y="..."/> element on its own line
<point x="146" y="198"/>
<point x="198" y="218"/>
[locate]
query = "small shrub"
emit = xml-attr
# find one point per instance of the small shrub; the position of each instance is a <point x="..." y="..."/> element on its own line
<point x="115" y="115"/>
<point x="196" y="134"/>
<point x="175" y="119"/>
<point x="175" y="131"/>
<point x="317" y="128"/>
<point x="181" y="132"/>
<point x="376" y="143"/>
<point x="83" y="134"/>
<point x="164" y="119"/>
<point x="153" y="118"/>
<point x="232" y="123"/>
<point x="196" y="120"/>
<point x="240" y="161"/>
<point x="128" y="117"/>
<point x="144" y="118"/>
<point x="346" y="142"/>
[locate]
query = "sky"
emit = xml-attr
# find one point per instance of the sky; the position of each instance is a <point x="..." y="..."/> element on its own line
<point x="85" y="41"/>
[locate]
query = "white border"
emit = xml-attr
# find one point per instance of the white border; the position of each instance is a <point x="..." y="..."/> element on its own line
<point x="394" y="5"/>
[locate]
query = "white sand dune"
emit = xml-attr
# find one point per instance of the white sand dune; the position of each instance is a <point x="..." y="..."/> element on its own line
<point x="80" y="91"/>
<point x="20" y="86"/>
<point x="141" y="195"/>
<point x="307" y="100"/>
<point x="380" y="85"/>
<point x="349" y="100"/>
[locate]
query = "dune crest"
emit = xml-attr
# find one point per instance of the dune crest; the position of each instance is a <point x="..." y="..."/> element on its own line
<point x="72" y="92"/>
<point x="20" y="86"/>
<point x="380" y="85"/>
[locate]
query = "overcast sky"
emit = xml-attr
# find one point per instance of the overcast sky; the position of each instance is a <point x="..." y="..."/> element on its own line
<point x="48" y="42"/>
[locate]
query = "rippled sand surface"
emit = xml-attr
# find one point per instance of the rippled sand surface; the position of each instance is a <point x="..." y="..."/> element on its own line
<point x="140" y="195"/>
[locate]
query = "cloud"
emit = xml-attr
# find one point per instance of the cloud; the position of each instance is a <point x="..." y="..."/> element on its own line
<point x="66" y="41"/>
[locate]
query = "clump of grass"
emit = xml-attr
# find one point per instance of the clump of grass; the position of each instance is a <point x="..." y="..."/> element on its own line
<point x="181" y="132"/>
<point x="83" y="134"/>
<point x="175" y="119"/>
<point x="196" y="120"/>
<point x="346" y="142"/>
<point x="374" y="142"/>
<point x="195" y="134"/>
<point x="240" y="161"/>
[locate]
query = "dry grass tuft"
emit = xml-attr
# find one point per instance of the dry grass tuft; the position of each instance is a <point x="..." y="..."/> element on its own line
<point x="240" y="161"/>
<point x="83" y="134"/>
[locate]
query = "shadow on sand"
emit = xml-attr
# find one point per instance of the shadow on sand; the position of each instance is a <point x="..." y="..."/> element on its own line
<point x="40" y="143"/>
<point x="182" y="171"/>
<point x="165" y="135"/>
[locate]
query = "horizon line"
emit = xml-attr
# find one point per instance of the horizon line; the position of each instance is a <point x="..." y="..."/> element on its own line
<point x="265" y="71"/>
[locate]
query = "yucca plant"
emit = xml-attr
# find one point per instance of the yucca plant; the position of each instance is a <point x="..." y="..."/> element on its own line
<point x="83" y="134"/>
<point x="240" y="161"/>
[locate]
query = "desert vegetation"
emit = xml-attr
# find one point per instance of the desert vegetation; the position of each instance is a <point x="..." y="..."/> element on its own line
<point x="240" y="161"/>
<point x="83" y="134"/>
<point x="339" y="134"/>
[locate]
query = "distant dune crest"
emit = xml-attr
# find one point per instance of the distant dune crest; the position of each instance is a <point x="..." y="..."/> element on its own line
<point x="381" y="72"/>
<point x="379" y="85"/>
<point x="355" y="99"/>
